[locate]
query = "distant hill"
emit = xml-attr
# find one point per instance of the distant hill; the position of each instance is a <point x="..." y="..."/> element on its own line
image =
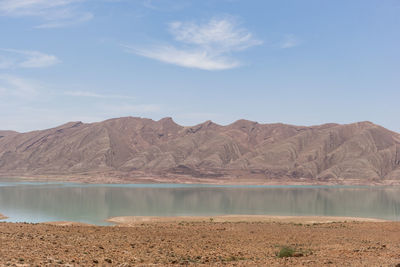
<point x="132" y="148"/>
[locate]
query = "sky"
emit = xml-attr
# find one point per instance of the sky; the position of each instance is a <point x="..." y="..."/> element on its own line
<point x="302" y="62"/>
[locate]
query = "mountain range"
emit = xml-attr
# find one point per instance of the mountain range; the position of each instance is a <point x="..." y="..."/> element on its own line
<point x="133" y="149"/>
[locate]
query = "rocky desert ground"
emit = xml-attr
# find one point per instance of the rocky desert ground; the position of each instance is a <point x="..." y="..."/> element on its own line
<point x="210" y="242"/>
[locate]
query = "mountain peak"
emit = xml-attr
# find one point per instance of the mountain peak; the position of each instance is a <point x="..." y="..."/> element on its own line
<point x="167" y="121"/>
<point x="131" y="147"/>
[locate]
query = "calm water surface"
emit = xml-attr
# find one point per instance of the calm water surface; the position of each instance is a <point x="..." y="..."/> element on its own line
<point x="39" y="202"/>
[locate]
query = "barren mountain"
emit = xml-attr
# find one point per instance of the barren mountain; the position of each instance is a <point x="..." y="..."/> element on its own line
<point x="133" y="148"/>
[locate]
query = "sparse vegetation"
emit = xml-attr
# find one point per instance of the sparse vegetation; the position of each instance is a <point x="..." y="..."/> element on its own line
<point x="286" y="252"/>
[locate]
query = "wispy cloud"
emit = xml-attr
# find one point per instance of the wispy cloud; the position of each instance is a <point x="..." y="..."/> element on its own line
<point x="207" y="46"/>
<point x="18" y="87"/>
<point x="13" y="58"/>
<point x="165" y="5"/>
<point x="96" y="95"/>
<point x="290" y="41"/>
<point x="56" y="13"/>
<point x="218" y="34"/>
<point x="194" y="58"/>
<point x="64" y="23"/>
<point x="29" y="104"/>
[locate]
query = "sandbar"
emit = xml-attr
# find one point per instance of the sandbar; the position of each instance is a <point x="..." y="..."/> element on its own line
<point x="132" y="220"/>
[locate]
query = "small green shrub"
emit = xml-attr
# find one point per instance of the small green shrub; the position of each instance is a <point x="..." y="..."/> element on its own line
<point x="286" y="252"/>
<point x="293" y="252"/>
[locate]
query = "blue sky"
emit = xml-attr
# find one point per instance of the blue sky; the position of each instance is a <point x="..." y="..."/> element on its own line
<point x="297" y="62"/>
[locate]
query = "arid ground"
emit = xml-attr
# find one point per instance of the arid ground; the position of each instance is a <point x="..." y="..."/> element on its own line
<point x="205" y="241"/>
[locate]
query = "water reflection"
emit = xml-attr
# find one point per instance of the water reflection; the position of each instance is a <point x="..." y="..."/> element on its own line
<point x="93" y="204"/>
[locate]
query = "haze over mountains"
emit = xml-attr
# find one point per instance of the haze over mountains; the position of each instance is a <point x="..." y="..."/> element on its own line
<point x="132" y="148"/>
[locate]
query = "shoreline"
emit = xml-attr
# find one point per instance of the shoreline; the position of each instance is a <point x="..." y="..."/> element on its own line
<point x="134" y="220"/>
<point x="67" y="223"/>
<point x="221" y="181"/>
<point x="128" y="221"/>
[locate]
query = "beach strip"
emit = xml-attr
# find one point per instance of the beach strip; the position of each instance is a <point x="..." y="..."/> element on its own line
<point x="133" y="220"/>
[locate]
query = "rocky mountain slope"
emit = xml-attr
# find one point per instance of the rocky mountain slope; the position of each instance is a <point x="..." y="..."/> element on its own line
<point x="134" y="147"/>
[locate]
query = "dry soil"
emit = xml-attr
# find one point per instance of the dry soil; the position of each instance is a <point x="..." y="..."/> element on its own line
<point x="201" y="243"/>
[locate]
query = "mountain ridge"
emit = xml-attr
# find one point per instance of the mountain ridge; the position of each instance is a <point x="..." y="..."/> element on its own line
<point x="131" y="148"/>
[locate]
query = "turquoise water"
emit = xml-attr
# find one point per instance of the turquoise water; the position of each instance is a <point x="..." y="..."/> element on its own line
<point x="40" y="202"/>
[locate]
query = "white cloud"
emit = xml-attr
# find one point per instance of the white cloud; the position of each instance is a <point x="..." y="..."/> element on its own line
<point x="32" y="7"/>
<point x="56" y="13"/>
<point x="13" y="58"/>
<point x="96" y="95"/>
<point x="290" y="41"/>
<point x="149" y="4"/>
<point x="18" y="87"/>
<point x="207" y="46"/>
<point x="165" y="5"/>
<point x="222" y="34"/>
<point x="64" y="23"/>
<point x="197" y="58"/>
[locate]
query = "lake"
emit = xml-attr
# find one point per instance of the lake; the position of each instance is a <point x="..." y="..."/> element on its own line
<point x="40" y="202"/>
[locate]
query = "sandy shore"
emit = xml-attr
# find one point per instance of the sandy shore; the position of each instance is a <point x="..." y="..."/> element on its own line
<point x="133" y="220"/>
<point x="100" y="178"/>
<point x="67" y="223"/>
<point x="208" y="243"/>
